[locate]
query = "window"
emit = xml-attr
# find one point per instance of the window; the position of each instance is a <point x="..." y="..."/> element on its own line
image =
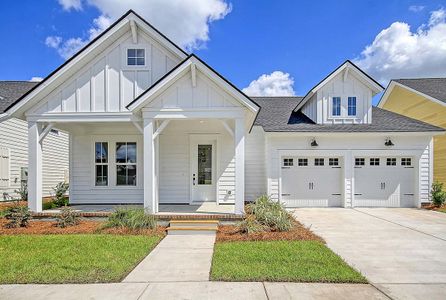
<point x="288" y="162"/>
<point x="374" y="161"/>
<point x="391" y="161"/>
<point x="319" y="161"/>
<point x="333" y="162"/>
<point x="302" y="162"/>
<point x="352" y="106"/>
<point x="126" y="163"/>
<point x="136" y="57"/>
<point x="359" y="161"/>
<point x="405" y="161"/>
<point x="4" y="167"/>
<point x="101" y="163"/>
<point x="54" y="131"/>
<point x="336" y="108"/>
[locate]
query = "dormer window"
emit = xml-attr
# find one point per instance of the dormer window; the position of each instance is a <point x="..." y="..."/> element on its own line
<point x="136" y="57"/>
<point x="336" y="107"/>
<point x="352" y="106"/>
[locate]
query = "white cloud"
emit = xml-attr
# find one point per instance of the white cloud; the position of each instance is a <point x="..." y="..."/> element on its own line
<point x="36" y="79"/>
<point x="277" y="83"/>
<point x="186" y="22"/>
<point x="71" y="4"/>
<point x="399" y="52"/>
<point x="416" y="8"/>
<point x="53" y="41"/>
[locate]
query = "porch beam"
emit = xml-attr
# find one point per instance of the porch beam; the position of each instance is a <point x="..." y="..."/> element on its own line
<point x="34" y="167"/>
<point x="160" y="128"/>
<point x="149" y="168"/>
<point x="45" y="131"/>
<point x="138" y="126"/>
<point x="227" y="127"/>
<point x="239" y="141"/>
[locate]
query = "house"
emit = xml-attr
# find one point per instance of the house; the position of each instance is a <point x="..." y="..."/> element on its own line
<point x="14" y="147"/>
<point x="423" y="99"/>
<point x="149" y="123"/>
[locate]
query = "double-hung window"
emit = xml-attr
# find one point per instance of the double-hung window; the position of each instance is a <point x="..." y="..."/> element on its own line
<point x="336" y="106"/>
<point x="351" y="106"/>
<point x="126" y="163"/>
<point x="101" y="163"/>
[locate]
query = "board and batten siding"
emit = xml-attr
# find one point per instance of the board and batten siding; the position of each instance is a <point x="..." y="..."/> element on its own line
<point x="107" y="84"/>
<point x="14" y="136"/>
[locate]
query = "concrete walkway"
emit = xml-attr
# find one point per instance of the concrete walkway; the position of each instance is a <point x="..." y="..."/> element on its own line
<point x="401" y="251"/>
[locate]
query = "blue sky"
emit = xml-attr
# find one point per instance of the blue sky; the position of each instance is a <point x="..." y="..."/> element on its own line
<point x="247" y="38"/>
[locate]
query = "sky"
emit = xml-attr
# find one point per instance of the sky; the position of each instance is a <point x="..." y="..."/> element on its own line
<point x="273" y="48"/>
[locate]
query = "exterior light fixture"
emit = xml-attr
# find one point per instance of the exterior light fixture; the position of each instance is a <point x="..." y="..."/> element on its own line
<point x="314" y="143"/>
<point x="389" y="143"/>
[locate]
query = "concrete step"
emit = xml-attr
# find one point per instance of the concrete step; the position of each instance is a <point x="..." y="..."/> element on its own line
<point x="191" y="230"/>
<point x="194" y="224"/>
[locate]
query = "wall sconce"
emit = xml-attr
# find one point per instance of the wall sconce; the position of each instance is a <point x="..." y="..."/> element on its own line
<point x="388" y="142"/>
<point x="314" y="143"/>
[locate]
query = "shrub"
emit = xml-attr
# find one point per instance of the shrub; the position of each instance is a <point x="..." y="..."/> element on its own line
<point x="23" y="191"/>
<point x="251" y="225"/>
<point x="18" y="216"/>
<point x="67" y="217"/>
<point x="59" y="194"/>
<point x="131" y="218"/>
<point x="437" y="194"/>
<point x="271" y="214"/>
<point x="48" y="205"/>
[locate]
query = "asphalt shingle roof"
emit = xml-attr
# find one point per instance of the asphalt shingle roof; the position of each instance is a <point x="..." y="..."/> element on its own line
<point x="434" y="87"/>
<point x="276" y="115"/>
<point x="11" y="91"/>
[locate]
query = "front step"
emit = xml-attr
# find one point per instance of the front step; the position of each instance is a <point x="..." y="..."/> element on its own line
<point x="186" y="227"/>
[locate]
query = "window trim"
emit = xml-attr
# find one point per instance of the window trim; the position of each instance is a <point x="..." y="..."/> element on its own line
<point x="333" y="107"/>
<point x="319" y="159"/>
<point x="304" y="162"/>
<point x="375" y="159"/>
<point x="391" y="161"/>
<point x="333" y="161"/>
<point x="135" y="57"/>
<point x="95" y="163"/>
<point x="351" y="106"/>
<point x="408" y="159"/>
<point x="286" y="162"/>
<point x="147" y="55"/>
<point x="362" y="159"/>
<point x="126" y="164"/>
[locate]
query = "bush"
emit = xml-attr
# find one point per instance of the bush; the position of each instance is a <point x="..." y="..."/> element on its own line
<point x="18" y="216"/>
<point x="271" y="214"/>
<point x="67" y="217"/>
<point x="59" y="194"/>
<point x="131" y="218"/>
<point x="48" y="205"/>
<point x="251" y="225"/>
<point x="437" y="194"/>
<point x="23" y="191"/>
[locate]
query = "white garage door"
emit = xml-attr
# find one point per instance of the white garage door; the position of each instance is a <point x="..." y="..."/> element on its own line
<point x="384" y="182"/>
<point x="311" y="182"/>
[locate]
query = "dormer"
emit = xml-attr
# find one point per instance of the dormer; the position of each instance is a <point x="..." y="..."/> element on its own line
<point x="343" y="97"/>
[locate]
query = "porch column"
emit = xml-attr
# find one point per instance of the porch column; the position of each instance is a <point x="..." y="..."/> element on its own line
<point x="34" y="167"/>
<point x="239" y="141"/>
<point x="149" y="167"/>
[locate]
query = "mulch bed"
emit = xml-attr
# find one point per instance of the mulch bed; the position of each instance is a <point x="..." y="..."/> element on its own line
<point x="433" y="207"/>
<point x="84" y="227"/>
<point x="6" y="204"/>
<point x="230" y="233"/>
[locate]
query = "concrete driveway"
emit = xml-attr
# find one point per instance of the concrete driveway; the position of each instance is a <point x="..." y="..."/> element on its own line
<point x="401" y="251"/>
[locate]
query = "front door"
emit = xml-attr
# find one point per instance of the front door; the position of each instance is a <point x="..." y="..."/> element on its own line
<point x="203" y="168"/>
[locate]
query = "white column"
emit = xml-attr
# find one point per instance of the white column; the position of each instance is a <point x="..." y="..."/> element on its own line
<point x="34" y="167"/>
<point x="239" y="141"/>
<point x="149" y="167"/>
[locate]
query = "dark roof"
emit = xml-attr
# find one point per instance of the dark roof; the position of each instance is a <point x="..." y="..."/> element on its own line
<point x="10" y="91"/>
<point x="277" y="115"/>
<point x="434" y="87"/>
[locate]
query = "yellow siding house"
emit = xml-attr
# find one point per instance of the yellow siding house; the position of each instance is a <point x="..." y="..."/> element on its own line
<point x="423" y="99"/>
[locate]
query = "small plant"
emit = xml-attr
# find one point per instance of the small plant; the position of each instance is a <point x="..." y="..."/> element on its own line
<point x="60" y="191"/>
<point x="48" y="205"/>
<point x="271" y="214"/>
<point x="18" y="216"/>
<point x="437" y="194"/>
<point x="23" y="191"/>
<point x="67" y="217"/>
<point x="251" y="225"/>
<point x="131" y="218"/>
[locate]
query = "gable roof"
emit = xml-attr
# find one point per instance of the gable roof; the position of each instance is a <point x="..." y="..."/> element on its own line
<point x="277" y="115"/>
<point x="372" y="83"/>
<point x="433" y="89"/>
<point x="11" y="91"/>
<point x="95" y="42"/>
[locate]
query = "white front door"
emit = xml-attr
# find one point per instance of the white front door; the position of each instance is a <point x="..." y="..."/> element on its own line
<point x="203" y="168"/>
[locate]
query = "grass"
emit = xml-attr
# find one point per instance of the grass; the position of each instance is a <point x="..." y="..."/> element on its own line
<point x="71" y="258"/>
<point x="296" y="261"/>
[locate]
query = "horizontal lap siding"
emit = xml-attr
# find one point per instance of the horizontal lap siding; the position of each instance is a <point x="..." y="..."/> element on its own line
<point x="255" y="173"/>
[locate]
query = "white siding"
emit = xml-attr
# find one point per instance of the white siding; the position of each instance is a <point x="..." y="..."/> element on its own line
<point x="14" y="136"/>
<point x="255" y="173"/>
<point x="310" y="108"/>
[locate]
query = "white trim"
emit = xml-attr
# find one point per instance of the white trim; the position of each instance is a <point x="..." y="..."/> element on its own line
<point x="82" y="117"/>
<point x="134" y="29"/>
<point x="227" y="127"/>
<point x="160" y="128"/>
<point x="208" y="113"/>
<point x="45" y="131"/>
<point x="193" y="72"/>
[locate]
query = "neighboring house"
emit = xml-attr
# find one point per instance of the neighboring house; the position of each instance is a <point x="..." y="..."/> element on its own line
<point x="14" y="147"/>
<point x="151" y="124"/>
<point x="423" y="99"/>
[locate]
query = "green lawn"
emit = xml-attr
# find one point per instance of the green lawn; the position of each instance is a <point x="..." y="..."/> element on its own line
<point x="71" y="258"/>
<point x="298" y="261"/>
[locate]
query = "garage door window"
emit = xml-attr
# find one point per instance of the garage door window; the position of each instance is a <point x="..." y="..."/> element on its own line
<point x="288" y="162"/>
<point x="302" y="162"/>
<point x="359" y="161"/>
<point x="374" y="161"/>
<point x="333" y="161"/>
<point x="319" y="161"/>
<point x="391" y="161"/>
<point x="406" y="161"/>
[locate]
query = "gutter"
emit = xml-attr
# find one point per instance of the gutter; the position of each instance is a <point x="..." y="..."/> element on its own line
<point x="4" y="117"/>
